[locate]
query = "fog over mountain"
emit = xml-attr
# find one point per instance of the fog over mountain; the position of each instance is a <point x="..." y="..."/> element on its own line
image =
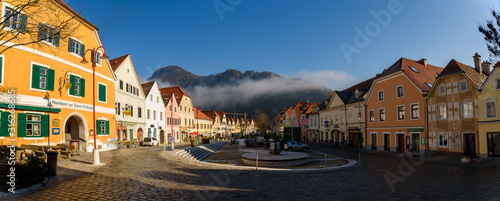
<point x="235" y="91"/>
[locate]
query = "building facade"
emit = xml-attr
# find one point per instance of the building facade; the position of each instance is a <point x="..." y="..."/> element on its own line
<point x="395" y="106"/>
<point x="203" y="123"/>
<point x="186" y="112"/>
<point x="488" y="117"/>
<point x="172" y="114"/>
<point x="155" y="111"/>
<point x="129" y="100"/>
<point x="452" y="109"/>
<point x="47" y="90"/>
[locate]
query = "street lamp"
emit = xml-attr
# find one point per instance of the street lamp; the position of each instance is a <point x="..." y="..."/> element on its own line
<point x="93" y="53"/>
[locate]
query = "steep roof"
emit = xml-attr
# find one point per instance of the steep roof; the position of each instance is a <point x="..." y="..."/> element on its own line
<point x="455" y="66"/>
<point x="279" y="116"/>
<point x="212" y="114"/>
<point x="175" y="90"/>
<point x="200" y="115"/>
<point x="146" y="87"/>
<point x="115" y="63"/>
<point x="349" y="95"/>
<point x="419" y="72"/>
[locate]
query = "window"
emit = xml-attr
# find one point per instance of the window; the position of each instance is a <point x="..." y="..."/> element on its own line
<point x="133" y="90"/>
<point x="154" y="114"/>
<point x="76" y="47"/>
<point x="42" y="78"/>
<point x="157" y="99"/>
<point x="116" y="108"/>
<point x="119" y="108"/>
<point x="372" y="116"/>
<point x="168" y="121"/>
<point x="413" y="69"/>
<point x="48" y="34"/>
<point x="98" y="59"/>
<point x="126" y="86"/>
<point x="102" y="92"/>
<point x="415" y="112"/>
<point x="15" y="20"/>
<point x="401" y="112"/>
<point x="491" y="108"/>
<point x="32" y="125"/>
<point x="467" y="109"/>
<point x="139" y="112"/>
<point x="442" y="90"/>
<point x="121" y="84"/>
<point x="381" y="114"/>
<point x="151" y="97"/>
<point x="161" y="115"/>
<point x="380" y="95"/>
<point x="441" y="112"/>
<point x="497" y="82"/>
<point x="399" y="91"/>
<point x="342" y="118"/>
<point x="103" y="127"/>
<point x="443" y="140"/>
<point x="148" y="114"/>
<point x="131" y="111"/>
<point x="77" y="86"/>
<point x="336" y="118"/>
<point x="463" y="85"/>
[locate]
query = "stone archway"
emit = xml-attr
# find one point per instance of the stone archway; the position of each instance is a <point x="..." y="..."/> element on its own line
<point x="75" y="131"/>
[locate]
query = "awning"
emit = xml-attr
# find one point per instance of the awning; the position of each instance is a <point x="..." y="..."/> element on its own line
<point x="194" y="133"/>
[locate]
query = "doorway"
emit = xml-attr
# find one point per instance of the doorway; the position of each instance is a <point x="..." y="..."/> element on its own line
<point x="415" y="142"/>
<point x="74" y="131"/>
<point x="162" y="137"/>
<point x="493" y="144"/>
<point x="470" y="144"/>
<point x="387" y="142"/>
<point x="374" y="141"/>
<point x="400" y="142"/>
<point x="139" y="134"/>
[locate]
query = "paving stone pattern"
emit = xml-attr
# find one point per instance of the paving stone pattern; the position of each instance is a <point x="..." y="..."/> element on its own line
<point x="145" y="173"/>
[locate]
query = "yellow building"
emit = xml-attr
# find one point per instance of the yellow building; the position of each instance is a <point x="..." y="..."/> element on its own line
<point x="488" y="119"/>
<point x="47" y="93"/>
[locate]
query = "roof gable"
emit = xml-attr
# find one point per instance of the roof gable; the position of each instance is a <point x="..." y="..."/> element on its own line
<point x="175" y="90"/>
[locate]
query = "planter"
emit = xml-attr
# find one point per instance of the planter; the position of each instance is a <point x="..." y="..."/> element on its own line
<point x="465" y="159"/>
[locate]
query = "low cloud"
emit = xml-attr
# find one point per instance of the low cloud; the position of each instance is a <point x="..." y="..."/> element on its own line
<point x="248" y="90"/>
<point x="333" y="79"/>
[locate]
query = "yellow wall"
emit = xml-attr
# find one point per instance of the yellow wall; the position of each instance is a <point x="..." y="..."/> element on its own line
<point x="487" y="125"/>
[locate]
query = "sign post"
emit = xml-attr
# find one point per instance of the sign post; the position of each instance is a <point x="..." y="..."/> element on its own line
<point x="171" y="140"/>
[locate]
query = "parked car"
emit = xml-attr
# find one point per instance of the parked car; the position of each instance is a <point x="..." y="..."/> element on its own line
<point x="294" y="145"/>
<point x="150" y="141"/>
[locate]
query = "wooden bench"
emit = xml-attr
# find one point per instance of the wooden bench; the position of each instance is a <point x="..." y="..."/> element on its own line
<point x="33" y="151"/>
<point x="64" y="149"/>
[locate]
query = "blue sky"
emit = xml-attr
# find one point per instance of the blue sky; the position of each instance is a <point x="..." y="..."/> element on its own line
<point x="296" y="38"/>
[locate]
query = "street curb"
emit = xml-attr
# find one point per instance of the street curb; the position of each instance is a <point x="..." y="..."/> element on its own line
<point x="25" y="190"/>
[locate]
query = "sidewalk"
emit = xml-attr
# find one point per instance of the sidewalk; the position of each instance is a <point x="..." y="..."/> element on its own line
<point x="442" y="159"/>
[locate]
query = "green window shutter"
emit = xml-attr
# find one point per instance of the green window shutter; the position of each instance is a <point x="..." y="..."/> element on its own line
<point x="45" y="125"/>
<point x="35" y="77"/>
<point x="82" y="50"/>
<point x="21" y="125"/>
<point x="70" y="44"/>
<point x="102" y="93"/>
<point x="1" y="66"/>
<point x="50" y="79"/>
<point x="24" y="22"/>
<point x="98" y="127"/>
<point x="107" y="127"/>
<point x="4" y="124"/>
<point x="82" y="87"/>
<point x="72" y="81"/>
<point x="41" y="31"/>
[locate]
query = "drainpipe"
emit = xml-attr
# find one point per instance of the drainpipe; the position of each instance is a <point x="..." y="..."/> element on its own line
<point x="426" y="127"/>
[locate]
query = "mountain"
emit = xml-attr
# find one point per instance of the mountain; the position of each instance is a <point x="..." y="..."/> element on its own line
<point x="235" y="91"/>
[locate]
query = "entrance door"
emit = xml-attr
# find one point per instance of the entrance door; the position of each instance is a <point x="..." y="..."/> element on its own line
<point x="387" y="142"/>
<point x="470" y="144"/>
<point x="162" y="137"/>
<point x="374" y="141"/>
<point x="401" y="142"/>
<point x="415" y="142"/>
<point x="493" y="144"/>
<point x="139" y="131"/>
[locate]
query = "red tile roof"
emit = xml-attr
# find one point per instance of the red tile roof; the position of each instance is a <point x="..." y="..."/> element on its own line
<point x="115" y="63"/>
<point x="423" y="74"/>
<point x="175" y="90"/>
<point x="146" y="87"/>
<point x="455" y="66"/>
<point x="212" y="114"/>
<point x="200" y="115"/>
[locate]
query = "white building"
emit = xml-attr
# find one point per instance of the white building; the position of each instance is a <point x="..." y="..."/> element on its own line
<point x="155" y="111"/>
<point x="129" y="100"/>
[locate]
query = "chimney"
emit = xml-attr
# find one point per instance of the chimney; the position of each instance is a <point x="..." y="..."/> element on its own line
<point x="486" y="67"/>
<point x="477" y="62"/>
<point x="423" y="62"/>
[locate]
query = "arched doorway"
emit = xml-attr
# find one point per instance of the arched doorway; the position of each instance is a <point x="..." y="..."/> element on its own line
<point x="162" y="137"/>
<point x="74" y="132"/>
<point x="139" y="134"/>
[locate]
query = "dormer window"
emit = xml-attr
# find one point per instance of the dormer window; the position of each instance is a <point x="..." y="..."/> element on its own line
<point x="413" y="69"/>
<point x="356" y="93"/>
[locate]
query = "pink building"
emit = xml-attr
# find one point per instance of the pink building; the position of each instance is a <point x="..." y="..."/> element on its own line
<point x="172" y="114"/>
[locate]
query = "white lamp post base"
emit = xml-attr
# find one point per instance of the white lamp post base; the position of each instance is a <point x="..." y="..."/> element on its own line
<point x="96" y="157"/>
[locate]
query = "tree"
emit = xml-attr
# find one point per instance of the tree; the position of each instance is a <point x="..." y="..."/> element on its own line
<point x="491" y="34"/>
<point x="261" y="120"/>
<point x="29" y="22"/>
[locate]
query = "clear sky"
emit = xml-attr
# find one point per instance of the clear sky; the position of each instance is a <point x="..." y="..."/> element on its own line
<point x="297" y="38"/>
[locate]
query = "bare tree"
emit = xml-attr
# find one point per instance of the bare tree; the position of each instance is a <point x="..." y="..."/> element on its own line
<point x="261" y="120"/>
<point x="29" y="22"/>
<point x="491" y="34"/>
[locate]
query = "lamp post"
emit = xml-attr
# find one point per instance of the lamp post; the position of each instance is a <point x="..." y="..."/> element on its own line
<point x="93" y="53"/>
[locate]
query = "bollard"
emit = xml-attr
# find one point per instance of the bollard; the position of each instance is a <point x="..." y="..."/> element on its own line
<point x="52" y="163"/>
<point x="325" y="162"/>
<point x="257" y="162"/>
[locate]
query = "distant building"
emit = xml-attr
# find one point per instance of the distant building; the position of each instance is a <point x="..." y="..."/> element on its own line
<point x="186" y="114"/>
<point x="155" y="111"/>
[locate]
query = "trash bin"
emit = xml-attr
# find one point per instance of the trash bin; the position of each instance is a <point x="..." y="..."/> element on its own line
<point x="52" y="163"/>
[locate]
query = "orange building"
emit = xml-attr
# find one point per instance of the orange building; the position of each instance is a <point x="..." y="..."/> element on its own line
<point x="395" y="106"/>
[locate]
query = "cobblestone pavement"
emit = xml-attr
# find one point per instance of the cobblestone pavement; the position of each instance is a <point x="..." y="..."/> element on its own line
<point x="146" y="174"/>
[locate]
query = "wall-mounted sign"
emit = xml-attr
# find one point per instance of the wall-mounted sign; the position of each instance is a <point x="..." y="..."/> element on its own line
<point x="127" y="112"/>
<point x="422" y="141"/>
<point x="415" y="130"/>
<point x="56" y="131"/>
<point x="55" y="122"/>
